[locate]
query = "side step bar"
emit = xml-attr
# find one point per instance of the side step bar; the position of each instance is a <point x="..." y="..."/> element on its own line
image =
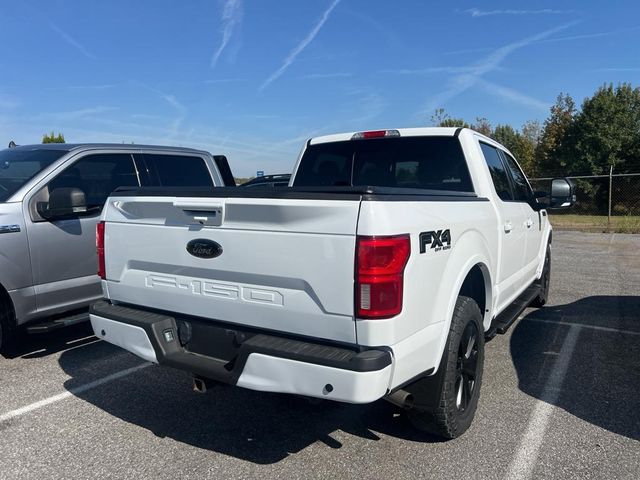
<point x="510" y="314"/>
<point x="51" y="325"/>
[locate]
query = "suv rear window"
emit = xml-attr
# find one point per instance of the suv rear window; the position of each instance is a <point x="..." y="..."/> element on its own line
<point x="433" y="163"/>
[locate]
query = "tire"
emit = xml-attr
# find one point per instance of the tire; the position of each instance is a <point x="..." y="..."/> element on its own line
<point x="9" y="333"/>
<point x="544" y="282"/>
<point x="459" y="391"/>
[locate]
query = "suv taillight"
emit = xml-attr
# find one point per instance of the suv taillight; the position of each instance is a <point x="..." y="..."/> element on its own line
<point x="379" y="274"/>
<point x="100" y="250"/>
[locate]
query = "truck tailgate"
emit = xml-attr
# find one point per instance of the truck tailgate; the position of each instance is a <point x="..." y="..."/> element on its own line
<point x="286" y="264"/>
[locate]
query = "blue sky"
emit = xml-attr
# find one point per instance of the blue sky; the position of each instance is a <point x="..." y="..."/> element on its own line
<point x="253" y="79"/>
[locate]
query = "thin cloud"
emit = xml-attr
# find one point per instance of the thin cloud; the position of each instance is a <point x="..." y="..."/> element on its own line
<point x="301" y="46"/>
<point x="463" y="82"/>
<point x="7" y="102"/>
<point x="590" y="35"/>
<point x="476" y="12"/>
<point x="231" y="17"/>
<point x="430" y="70"/>
<point x="567" y="38"/>
<point x="71" y="41"/>
<point x="314" y="76"/>
<point x="105" y="86"/>
<point x="180" y="109"/>
<point x="512" y="95"/>
<point x="78" y="114"/>
<point x="224" y="80"/>
<point x="617" y="69"/>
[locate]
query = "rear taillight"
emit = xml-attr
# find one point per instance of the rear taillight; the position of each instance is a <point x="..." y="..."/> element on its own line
<point x="379" y="275"/>
<point x="100" y="250"/>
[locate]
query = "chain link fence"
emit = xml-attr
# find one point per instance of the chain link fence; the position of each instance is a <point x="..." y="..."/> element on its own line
<point x="603" y="203"/>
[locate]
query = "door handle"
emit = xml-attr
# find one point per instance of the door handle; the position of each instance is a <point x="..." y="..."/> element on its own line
<point x="508" y="227"/>
<point x="529" y="223"/>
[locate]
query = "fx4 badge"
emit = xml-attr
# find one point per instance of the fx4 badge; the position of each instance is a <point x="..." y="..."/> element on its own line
<point x="438" y="240"/>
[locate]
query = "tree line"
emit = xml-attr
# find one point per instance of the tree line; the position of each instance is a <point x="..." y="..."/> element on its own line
<point x="604" y="132"/>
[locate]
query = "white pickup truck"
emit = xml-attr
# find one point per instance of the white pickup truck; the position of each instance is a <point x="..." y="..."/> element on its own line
<point x="377" y="274"/>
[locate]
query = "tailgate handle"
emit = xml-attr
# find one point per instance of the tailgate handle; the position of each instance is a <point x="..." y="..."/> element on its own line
<point x="201" y="213"/>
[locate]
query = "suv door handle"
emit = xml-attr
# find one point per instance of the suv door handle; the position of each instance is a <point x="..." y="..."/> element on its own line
<point x="529" y="223"/>
<point x="508" y="227"/>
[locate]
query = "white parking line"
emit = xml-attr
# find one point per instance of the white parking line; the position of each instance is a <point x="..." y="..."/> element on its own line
<point x="522" y="465"/>
<point x="581" y="325"/>
<point x="74" y="391"/>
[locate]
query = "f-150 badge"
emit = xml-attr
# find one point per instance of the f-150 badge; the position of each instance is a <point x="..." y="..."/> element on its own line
<point x="435" y="239"/>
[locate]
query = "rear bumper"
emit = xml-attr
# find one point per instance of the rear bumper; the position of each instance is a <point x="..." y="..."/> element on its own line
<point x="247" y="358"/>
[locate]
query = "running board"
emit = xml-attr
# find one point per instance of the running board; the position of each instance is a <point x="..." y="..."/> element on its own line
<point x="51" y="325"/>
<point x="510" y="314"/>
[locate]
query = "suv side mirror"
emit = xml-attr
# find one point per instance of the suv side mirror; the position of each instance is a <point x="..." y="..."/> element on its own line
<point x="561" y="194"/>
<point x="64" y="202"/>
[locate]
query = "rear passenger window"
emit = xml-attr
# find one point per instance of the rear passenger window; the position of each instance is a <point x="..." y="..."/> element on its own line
<point x="520" y="185"/>
<point x="498" y="172"/>
<point x="97" y="176"/>
<point x="177" y="170"/>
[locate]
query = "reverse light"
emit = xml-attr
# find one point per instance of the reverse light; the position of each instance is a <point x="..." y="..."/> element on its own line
<point x="379" y="275"/>
<point x="100" y="250"/>
<point x="375" y="134"/>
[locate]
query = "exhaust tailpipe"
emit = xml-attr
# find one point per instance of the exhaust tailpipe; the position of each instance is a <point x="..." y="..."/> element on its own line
<point x="199" y="385"/>
<point x="401" y="398"/>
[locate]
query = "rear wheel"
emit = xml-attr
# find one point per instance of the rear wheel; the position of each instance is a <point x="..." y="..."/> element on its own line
<point x="544" y="282"/>
<point x="463" y="361"/>
<point x="9" y="333"/>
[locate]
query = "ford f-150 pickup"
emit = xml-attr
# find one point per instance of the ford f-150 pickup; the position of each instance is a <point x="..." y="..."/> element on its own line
<point x="378" y="273"/>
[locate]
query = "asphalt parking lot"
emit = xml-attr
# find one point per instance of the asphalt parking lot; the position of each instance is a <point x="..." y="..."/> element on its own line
<point x="560" y="399"/>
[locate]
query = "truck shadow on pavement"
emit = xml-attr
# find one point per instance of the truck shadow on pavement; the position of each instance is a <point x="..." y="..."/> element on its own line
<point x="602" y="381"/>
<point x="260" y="427"/>
<point x="44" y="344"/>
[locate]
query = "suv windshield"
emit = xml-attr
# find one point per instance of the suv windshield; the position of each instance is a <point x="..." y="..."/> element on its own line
<point x="18" y="166"/>
<point x="433" y="163"/>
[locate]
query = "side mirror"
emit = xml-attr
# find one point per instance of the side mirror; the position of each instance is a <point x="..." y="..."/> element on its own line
<point x="562" y="194"/>
<point x="64" y="202"/>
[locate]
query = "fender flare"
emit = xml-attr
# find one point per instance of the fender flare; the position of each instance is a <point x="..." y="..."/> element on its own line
<point x="5" y="299"/>
<point x="482" y="259"/>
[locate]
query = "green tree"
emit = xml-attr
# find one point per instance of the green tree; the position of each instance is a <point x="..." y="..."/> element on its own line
<point x="605" y="134"/>
<point x="507" y="136"/>
<point x="53" y="138"/>
<point x="440" y="118"/>
<point x="607" y="130"/>
<point x="553" y="153"/>
<point x="483" y="126"/>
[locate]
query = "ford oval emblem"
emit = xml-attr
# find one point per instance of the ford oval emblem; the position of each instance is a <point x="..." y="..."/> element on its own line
<point x="203" y="248"/>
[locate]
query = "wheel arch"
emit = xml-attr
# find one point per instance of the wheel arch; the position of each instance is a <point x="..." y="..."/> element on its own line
<point x="469" y="272"/>
<point x="5" y="299"/>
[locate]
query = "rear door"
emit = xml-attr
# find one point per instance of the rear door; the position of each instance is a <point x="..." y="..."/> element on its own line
<point x="279" y="264"/>
<point x="533" y="227"/>
<point x="512" y="229"/>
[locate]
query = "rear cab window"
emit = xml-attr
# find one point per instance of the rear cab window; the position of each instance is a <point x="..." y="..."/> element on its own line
<point x="429" y="162"/>
<point x="167" y="170"/>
